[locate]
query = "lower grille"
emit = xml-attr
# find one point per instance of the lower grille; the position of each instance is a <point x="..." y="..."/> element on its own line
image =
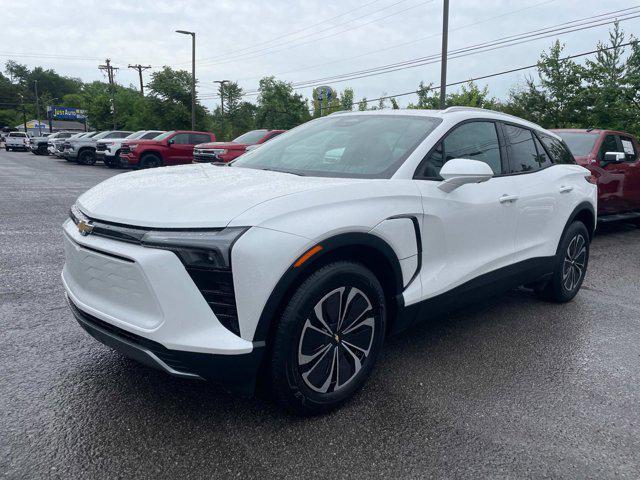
<point x="101" y="147"/>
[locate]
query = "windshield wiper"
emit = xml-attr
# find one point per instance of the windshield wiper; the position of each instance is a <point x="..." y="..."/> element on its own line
<point x="282" y="171"/>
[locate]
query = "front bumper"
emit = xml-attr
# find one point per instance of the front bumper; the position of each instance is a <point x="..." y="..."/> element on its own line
<point x="145" y="301"/>
<point x="128" y="159"/>
<point x="236" y="372"/>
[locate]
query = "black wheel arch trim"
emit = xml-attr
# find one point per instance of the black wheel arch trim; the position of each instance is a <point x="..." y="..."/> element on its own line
<point x="293" y="275"/>
<point x="582" y="207"/>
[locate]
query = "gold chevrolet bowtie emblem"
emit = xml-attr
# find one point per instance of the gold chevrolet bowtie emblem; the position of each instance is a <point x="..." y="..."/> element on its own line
<point x="84" y="228"/>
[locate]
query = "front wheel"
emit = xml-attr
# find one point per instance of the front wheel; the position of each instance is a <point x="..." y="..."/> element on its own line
<point x="150" y="160"/>
<point x="86" y="157"/>
<point x="570" y="265"/>
<point x="328" y="338"/>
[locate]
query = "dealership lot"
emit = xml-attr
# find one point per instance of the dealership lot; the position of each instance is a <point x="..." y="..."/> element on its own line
<point x="512" y="388"/>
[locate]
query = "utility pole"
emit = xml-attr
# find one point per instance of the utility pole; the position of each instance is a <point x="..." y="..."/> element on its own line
<point x="35" y="82"/>
<point x="140" y="68"/>
<point x="112" y="86"/>
<point x="221" y="82"/>
<point x="24" y="114"/>
<point x="193" y="75"/>
<point x="443" y="62"/>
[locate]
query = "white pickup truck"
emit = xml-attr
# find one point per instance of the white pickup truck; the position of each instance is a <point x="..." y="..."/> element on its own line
<point x="16" y="141"/>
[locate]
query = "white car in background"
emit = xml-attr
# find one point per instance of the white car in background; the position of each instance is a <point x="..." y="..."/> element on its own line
<point x="16" y="141"/>
<point x="294" y="262"/>
<point x="108" y="150"/>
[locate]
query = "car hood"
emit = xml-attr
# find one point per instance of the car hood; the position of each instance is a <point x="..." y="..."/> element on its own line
<point x="225" y="145"/>
<point x="192" y="196"/>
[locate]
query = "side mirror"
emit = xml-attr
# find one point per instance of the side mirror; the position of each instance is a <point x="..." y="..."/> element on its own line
<point x="613" y="157"/>
<point x="460" y="171"/>
<point x="171" y="142"/>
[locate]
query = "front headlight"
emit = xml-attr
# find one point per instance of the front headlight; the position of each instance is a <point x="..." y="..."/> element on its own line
<point x="132" y="147"/>
<point x="219" y="151"/>
<point x="205" y="249"/>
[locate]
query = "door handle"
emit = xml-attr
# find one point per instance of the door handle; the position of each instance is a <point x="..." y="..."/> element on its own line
<point x="566" y="189"/>
<point x="508" y="198"/>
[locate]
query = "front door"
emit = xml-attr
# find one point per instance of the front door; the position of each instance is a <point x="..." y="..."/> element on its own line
<point x="470" y="231"/>
<point x="180" y="151"/>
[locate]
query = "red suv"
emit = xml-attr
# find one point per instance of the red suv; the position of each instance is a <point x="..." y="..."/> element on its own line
<point x="227" y="151"/>
<point x="170" y="148"/>
<point x="612" y="157"/>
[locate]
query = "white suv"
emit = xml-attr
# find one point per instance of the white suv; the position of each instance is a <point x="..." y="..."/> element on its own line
<point x="293" y="263"/>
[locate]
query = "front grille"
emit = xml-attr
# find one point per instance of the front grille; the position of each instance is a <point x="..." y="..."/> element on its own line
<point x="125" y="149"/>
<point x="216" y="286"/>
<point x="163" y="353"/>
<point x="101" y="147"/>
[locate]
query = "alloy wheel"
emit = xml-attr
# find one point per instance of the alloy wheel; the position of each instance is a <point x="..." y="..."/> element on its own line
<point x="573" y="266"/>
<point x="336" y="339"/>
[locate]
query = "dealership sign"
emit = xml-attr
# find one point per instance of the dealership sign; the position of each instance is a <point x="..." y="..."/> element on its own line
<point x="65" y="113"/>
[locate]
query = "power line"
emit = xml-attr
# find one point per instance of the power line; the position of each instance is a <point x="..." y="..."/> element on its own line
<point x="268" y="51"/>
<point x="300" y="30"/>
<point x="503" y="72"/>
<point x="510" y="40"/>
<point x="404" y="44"/>
<point x="503" y="42"/>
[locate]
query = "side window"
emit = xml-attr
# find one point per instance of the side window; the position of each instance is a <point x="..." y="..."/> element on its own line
<point x="197" y="138"/>
<point x="181" y="139"/>
<point x="628" y="148"/>
<point x="558" y="150"/>
<point x="150" y="135"/>
<point x="609" y="144"/>
<point x="472" y="140"/>
<point x="523" y="155"/>
<point x="122" y="134"/>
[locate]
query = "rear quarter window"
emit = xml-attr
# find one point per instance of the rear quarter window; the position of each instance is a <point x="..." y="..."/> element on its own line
<point x="557" y="149"/>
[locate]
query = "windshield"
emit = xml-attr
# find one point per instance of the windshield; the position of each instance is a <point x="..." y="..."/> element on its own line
<point x="165" y="135"/>
<point x="251" y="137"/>
<point x="151" y="135"/>
<point x="580" y="144"/>
<point x="98" y="136"/>
<point x="356" y="146"/>
<point x="135" y="135"/>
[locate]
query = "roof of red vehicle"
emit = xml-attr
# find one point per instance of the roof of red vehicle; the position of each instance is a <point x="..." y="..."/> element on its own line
<point x="594" y="131"/>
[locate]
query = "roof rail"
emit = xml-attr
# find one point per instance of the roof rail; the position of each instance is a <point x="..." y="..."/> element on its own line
<point x="476" y="109"/>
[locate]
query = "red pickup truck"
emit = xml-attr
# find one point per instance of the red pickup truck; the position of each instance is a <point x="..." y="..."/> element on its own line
<point x="170" y="148"/>
<point x="227" y="151"/>
<point x="612" y="157"/>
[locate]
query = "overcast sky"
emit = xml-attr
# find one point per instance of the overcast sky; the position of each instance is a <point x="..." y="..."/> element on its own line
<point x="296" y="40"/>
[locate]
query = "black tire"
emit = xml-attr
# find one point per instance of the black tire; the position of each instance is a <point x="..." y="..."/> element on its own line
<point x="108" y="163"/>
<point x="150" y="160"/>
<point x="7" y="148"/>
<point x="304" y="380"/>
<point x="86" y="157"/>
<point x="570" y="265"/>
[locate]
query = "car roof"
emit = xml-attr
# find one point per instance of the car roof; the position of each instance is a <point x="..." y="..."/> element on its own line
<point x="454" y="115"/>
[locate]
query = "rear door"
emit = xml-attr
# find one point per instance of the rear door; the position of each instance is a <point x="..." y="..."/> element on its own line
<point x="471" y="230"/>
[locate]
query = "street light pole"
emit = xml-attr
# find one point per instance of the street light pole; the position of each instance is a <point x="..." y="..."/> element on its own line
<point x="193" y="76"/>
<point x="221" y="82"/>
<point x="443" y="63"/>
<point x="35" y="82"/>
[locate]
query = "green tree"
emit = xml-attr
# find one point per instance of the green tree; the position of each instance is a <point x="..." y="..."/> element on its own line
<point x="362" y="104"/>
<point x="278" y="105"/>
<point x="346" y="99"/>
<point x="428" y="98"/>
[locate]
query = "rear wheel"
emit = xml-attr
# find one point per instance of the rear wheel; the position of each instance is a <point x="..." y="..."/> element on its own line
<point x="570" y="265"/>
<point x="150" y="160"/>
<point x="328" y="339"/>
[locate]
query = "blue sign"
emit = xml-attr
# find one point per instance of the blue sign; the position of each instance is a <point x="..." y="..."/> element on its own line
<point x="65" y="113"/>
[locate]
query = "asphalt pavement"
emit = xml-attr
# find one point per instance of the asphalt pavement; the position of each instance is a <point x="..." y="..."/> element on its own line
<point x="512" y="388"/>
